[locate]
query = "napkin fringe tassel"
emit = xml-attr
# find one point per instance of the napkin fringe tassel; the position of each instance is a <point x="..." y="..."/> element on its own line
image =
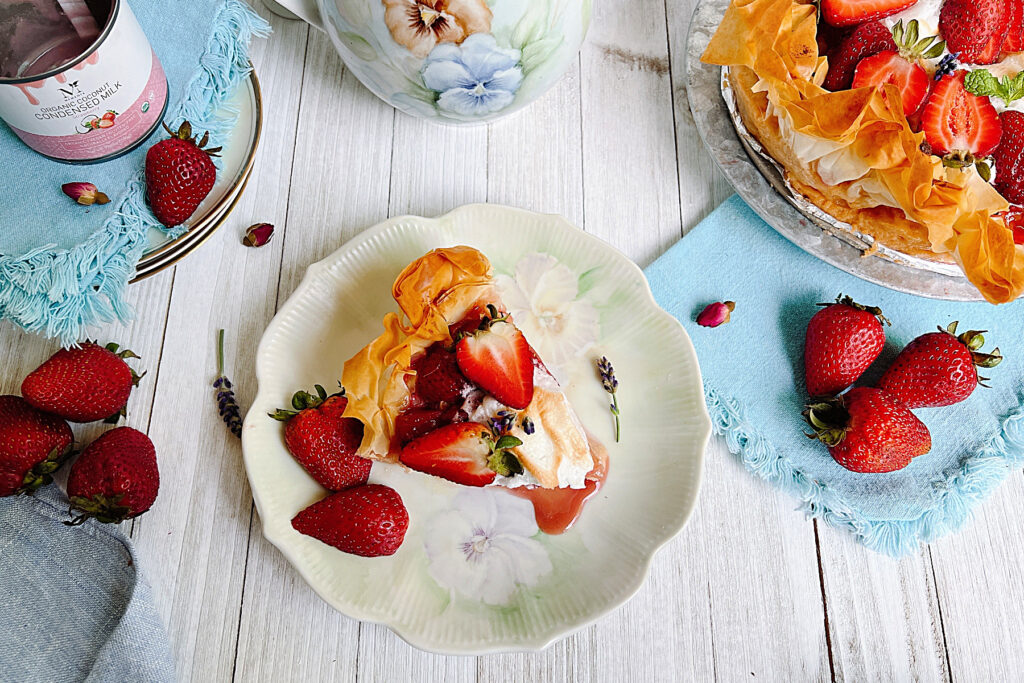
<point x="60" y="292"/>
<point x="954" y="496"/>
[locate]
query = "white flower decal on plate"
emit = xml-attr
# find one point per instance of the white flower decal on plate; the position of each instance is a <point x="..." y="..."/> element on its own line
<point x="482" y="547"/>
<point x="543" y="298"/>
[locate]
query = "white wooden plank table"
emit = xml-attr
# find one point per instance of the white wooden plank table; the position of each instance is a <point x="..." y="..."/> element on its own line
<point x="749" y="590"/>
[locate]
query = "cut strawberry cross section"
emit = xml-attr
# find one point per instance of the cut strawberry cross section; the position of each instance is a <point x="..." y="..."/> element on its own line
<point x="466" y="453"/>
<point x="849" y="12"/>
<point x="958" y="124"/>
<point x="499" y="360"/>
<point x="890" y="68"/>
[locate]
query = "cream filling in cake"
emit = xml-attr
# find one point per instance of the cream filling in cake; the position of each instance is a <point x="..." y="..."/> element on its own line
<point x="835" y="163"/>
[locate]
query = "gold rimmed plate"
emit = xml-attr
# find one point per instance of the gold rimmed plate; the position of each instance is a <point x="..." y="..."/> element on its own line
<point x="235" y="168"/>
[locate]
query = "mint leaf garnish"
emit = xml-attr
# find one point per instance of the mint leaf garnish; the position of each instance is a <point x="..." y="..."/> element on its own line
<point x="982" y="82"/>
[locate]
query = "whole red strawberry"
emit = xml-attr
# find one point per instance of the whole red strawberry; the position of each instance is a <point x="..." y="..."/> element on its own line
<point x="865" y="40"/>
<point x="115" y="478"/>
<point x="32" y="446"/>
<point x="83" y="384"/>
<point x="1009" y="157"/>
<point x="843" y="339"/>
<point x="368" y="520"/>
<point x="975" y="30"/>
<point x="323" y="441"/>
<point x="867" y="430"/>
<point x="938" y="368"/>
<point x="179" y="175"/>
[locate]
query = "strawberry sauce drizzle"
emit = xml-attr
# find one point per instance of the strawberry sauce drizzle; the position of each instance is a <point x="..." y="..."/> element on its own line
<point x="556" y="510"/>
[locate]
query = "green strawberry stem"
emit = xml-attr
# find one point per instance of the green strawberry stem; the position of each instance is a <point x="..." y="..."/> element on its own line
<point x="829" y="420"/>
<point x="41" y="473"/>
<point x="846" y="300"/>
<point x="302" y="400"/>
<point x="500" y="460"/>
<point x="103" y="509"/>
<point x="974" y="340"/>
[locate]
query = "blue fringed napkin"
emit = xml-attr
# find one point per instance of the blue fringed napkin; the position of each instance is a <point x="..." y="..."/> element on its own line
<point x="63" y="266"/>
<point x="753" y="381"/>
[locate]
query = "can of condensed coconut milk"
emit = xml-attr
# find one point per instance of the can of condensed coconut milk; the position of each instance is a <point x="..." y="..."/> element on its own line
<point x="79" y="81"/>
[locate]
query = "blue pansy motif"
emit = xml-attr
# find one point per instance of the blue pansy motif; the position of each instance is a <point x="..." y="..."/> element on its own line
<point x="475" y="78"/>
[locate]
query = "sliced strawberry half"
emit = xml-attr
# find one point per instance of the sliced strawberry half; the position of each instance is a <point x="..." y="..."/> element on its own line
<point x="974" y="29"/>
<point x="458" y="452"/>
<point x="890" y="67"/>
<point x="956" y="121"/>
<point x="498" y="359"/>
<point x="419" y="421"/>
<point x="849" y="12"/>
<point x="1015" y="26"/>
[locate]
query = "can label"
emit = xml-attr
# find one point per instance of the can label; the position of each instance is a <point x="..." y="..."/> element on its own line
<point x="100" y="106"/>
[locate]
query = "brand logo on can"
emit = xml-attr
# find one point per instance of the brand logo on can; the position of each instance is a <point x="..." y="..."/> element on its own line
<point x="87" y="107"/>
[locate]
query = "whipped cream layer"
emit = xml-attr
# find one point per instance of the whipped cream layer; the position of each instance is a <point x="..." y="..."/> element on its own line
<point x="558" y="437"/>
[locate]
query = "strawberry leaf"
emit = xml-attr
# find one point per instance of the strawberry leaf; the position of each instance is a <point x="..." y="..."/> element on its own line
<point x="912" y="29"/>
<point x="507" y="442"/>
<point x="504" y="464"/>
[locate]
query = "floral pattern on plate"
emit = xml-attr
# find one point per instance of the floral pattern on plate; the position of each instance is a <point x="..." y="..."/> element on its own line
<point x="483" y="546"/>
<point x="476" y="77"/>
<point x="543" y="296"/>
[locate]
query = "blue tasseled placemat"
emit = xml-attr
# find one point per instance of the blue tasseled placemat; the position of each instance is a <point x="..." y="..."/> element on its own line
<point x="753" y="381"/>
<point x="62" y="266"/>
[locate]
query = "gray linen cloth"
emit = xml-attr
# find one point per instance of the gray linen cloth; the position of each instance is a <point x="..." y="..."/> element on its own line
<point x="73" y="605"/>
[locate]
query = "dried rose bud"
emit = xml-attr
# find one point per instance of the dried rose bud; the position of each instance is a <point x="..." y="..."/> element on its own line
<point x="715" y="314"/>
<point x="84" y="193"/>
<point x="257" y="235"/>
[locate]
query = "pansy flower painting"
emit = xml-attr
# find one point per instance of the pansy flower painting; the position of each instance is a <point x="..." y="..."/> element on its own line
<point x="483" y="547"/>
<point x="457" y="61"/>
<point x="477" y="77"/>
<point x="419" y="25"/>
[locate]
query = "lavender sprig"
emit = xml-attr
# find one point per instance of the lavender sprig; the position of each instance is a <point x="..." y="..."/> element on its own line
<point x="226" y="403"/>
<point x="611" y="385"/>
<point x="502" y="422"/>
<point x="946" y="65"/>
<point x="528" y="425"/>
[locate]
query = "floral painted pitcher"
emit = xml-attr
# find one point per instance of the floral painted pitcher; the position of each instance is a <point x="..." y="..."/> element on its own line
<point x="453" y="61"/>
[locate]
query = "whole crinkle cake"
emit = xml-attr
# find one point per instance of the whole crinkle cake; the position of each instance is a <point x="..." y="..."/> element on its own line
<point x="903" y="118"/>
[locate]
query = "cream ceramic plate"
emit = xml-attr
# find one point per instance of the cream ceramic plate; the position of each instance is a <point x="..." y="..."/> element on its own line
<point x="474" y="574"/>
